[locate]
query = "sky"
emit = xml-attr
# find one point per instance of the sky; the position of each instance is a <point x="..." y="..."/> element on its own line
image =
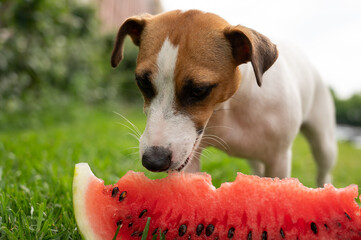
<point x="327" y="31"/>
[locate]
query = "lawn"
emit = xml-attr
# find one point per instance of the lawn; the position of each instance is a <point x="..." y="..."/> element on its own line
<point x="38" y="151"/>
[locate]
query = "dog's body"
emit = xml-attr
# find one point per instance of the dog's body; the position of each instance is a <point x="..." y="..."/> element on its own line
<point x="260" y="124"/>
<point x="187" y="70"/>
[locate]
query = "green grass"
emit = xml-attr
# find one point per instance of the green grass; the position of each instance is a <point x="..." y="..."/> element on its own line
<point x="38" y="152"/>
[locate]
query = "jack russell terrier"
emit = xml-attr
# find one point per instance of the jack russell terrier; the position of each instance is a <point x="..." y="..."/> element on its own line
<point x="196" y="95"/>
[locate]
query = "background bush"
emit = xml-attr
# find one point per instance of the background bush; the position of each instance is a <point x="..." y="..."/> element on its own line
<point x="348" y="111"/>
<point x="54" y="48"/>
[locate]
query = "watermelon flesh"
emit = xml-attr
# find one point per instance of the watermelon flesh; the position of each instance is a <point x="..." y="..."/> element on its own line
<point x="188" y="206"/>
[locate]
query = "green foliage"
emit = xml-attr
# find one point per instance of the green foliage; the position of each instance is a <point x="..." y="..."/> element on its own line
<point x="348" y="111"/>
<point x="50" y="47"/>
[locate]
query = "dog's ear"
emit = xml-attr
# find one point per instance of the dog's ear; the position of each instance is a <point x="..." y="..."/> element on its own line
<point x="249" y="45"/>
<point x="133" y="27"/>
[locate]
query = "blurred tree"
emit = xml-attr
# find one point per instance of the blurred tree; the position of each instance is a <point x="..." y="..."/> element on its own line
<point x="50" y="48"/>
<point x="348" y="111"/>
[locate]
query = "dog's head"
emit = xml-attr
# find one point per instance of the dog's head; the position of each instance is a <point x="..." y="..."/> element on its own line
<point x="187" y="64"/>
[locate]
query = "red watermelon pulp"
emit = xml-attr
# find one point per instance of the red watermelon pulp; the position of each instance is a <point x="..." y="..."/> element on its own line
<point x="188" y="206"/>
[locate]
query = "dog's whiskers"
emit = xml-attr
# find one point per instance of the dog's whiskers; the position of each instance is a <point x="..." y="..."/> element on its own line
<point x="131" y="148"/>
<point x="206" y="153"/>
<point x="131" y="129"/>
<point x="208" y="143"/>
<point x="134" y="132"/>
<point x="135" y="136"/>
<point x="234" y="98"/>
<point x="210" y="127"/>
<point x="134" y="128"/>
<point x="130" y="155"/>
<point x="200" y="154"/>
<point x="218" y="140"/>
<point x="133" y="152"/>
<point x="222" y="109"/>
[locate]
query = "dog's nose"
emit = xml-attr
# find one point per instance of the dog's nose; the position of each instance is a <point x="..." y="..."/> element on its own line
<point x="157" y="159"/>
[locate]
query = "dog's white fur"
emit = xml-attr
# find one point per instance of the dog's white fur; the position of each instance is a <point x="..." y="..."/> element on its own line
<point x="264" y="121"/>
<point x="256" y="123"/>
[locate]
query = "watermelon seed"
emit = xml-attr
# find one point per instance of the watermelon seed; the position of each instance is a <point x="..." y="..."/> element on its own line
<point x="119" y="223"/>
<point x="165" y="232"/>
<point x="282" y="233"/>
<point x="325" y="226"/>
<point x="209" y="230"/>
<point x="122" y="196"/>
<point x="339" y="224"/>
<point x="115" y="191"/>
<point x="130" y="224"/>
<point x="182" y="230"/>
<point x="216" y="238"/>
<point x="134" y="234"/>
<point x="140" y="234"/>
<point x="348" y="216"/>
<point x="249" y="237"/>
<point x="264" y="235"/>
<point x="189" y="237"/>
<point x="155" y="231"/>
<point x="230" y="232"/>
<point x="199" y="229"/>
<point x="314" y="227"/>
<point x="142" y="213"/>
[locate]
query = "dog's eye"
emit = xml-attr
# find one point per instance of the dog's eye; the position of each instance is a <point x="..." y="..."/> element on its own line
<point x="143" y="82"/>
<point x="193" y="93"/>
<point x="145" y="85"/>
<point x="200" y="92"/>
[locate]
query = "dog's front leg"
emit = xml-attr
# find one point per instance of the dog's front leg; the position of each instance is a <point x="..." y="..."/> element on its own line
<point x="258" y="167"/>
<point x="280" y="165"/>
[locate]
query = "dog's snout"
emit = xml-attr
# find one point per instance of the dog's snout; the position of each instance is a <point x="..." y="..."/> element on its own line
<point x="157" y="158"/>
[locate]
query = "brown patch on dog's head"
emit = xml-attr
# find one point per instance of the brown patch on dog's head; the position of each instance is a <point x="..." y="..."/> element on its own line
<point x="210" y="49"/>
<point x="187" y="64"/>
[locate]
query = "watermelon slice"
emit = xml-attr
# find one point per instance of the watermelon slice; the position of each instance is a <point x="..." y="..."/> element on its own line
<point x="188" y="206"/>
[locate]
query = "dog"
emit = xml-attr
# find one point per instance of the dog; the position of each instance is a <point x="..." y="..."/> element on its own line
<point x="206" y="82"/>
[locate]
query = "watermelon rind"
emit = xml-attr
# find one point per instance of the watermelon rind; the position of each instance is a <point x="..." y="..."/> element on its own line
<point x="82" y="177"/>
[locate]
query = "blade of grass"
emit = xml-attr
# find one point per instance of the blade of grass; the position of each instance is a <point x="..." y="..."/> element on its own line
<point x="25" y="225"/>
<point x="8" y="233"/>
<point x="40" y="217"/>
<point x="162" y="235"/>
<point x="116" y="232"/>
<point x="59" y="235"/>
<point x="45" y="228"/>
<point x="146" y="230"/>
<point x="21" y="233"/>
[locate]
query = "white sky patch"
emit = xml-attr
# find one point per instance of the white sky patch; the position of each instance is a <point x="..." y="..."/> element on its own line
<point x="328" y="31"/>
